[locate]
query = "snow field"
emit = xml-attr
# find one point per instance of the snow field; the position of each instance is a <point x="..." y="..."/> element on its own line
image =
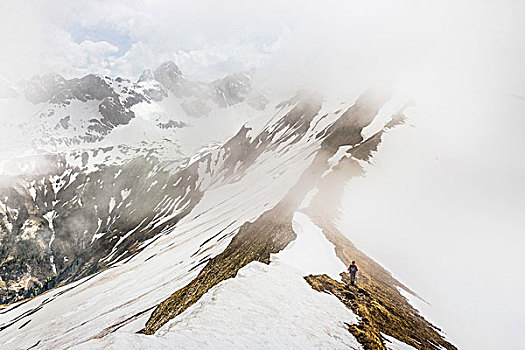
<point x="263" y="307"/>
<point x="311" y="252"/>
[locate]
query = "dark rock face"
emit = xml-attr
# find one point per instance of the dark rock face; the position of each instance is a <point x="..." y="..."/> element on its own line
<point x="114" y="113"/>
<point x="64" y="122"/>
<point x="291" y="128"/>
<point x="55" y="89"/>
<point x="114" y="109"/>
<point x="90" y="87"/>
<point x="151" y="88"/>
<point x="69" y="223"/>
<point x="156" y="94"/>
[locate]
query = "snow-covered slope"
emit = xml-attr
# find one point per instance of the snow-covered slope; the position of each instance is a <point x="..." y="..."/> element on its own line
<point x="50" y="113"/>
<point x="266" y="306"/>
<point x="228" y="247"/>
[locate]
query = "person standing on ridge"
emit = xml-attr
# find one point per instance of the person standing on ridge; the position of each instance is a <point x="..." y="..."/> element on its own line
<point x="353" y="270"/>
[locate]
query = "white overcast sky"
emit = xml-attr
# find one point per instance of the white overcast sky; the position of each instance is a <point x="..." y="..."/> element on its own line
<point x="448" y="193"/>
<point x="309" y="40"/>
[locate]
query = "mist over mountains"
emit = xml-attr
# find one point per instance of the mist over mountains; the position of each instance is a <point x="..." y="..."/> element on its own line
<point x="83" y="205"/>
<point x="200" y="175"/>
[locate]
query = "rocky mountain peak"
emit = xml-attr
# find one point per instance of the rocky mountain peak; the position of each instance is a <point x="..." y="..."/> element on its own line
<point x="147" y="75"/>
<point x="170" y="76"/>
<point x="170" y="68"/>
<point x="68" y="112"/>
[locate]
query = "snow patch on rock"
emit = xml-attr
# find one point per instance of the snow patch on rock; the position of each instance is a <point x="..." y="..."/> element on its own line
<point x="392" y="343"/>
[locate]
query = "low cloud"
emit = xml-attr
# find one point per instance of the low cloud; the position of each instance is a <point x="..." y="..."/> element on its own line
<point x="461" y="62"/>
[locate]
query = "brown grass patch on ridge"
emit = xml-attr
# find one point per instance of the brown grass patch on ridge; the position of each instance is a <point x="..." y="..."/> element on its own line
<point x="254" y="242"/>
<point x="380" y="314"/>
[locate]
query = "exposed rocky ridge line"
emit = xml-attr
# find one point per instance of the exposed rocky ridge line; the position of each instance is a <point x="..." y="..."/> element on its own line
<point x="377" y="300"/>
<point x="275" y="225"/>
<point x="380" y="305"/>
<point x="270" y="233"/>
<point x="379" y="313"/>
<point x="254" y="242"/>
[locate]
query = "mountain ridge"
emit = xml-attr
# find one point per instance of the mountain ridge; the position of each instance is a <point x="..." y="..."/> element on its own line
<point x="83" y="222"/>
